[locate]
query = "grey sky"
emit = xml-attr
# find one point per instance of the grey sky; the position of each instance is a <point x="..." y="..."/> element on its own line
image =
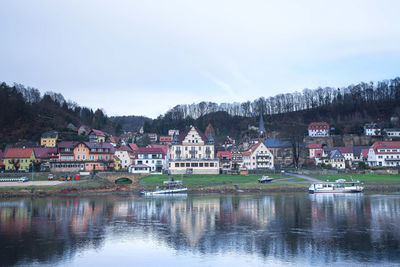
<point x="143" y="57"/>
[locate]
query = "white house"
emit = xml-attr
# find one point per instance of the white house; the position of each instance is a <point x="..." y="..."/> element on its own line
<point x="371" y="129"/>
<point x="258" y="156"/>
<point x="386" y="154"/>
<point x="139" y="168"/>
<point x="124" y="153"/>
<point x="192" y="152"/>
<point x="318" y="129"/>
<point x="393" y="132"/>
<point x="151" y="157"/>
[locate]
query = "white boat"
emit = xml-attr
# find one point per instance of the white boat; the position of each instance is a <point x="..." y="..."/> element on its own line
<point x="170" y="187"/>
<point x="265" y="179"/>
<point x="340" y="186"/>
<point x="160" y="191"/>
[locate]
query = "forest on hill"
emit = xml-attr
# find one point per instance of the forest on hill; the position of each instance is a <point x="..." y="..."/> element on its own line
<point x="346" y="109"/>
<point x="25" y="114"/>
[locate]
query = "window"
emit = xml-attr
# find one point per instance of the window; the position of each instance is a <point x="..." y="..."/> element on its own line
<point x="83" y="156"/>
<point x="79" y="157"/>
<point x="176" y="164"/>
<point x="79" y="150"/>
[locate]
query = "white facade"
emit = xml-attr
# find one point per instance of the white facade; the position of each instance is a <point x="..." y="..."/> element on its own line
<point x="155" y="161"/>
<point x="392" y="132"/>
<point x="124" y="157"/>
<point x="193" y="155"/>
<point x="258" y="157"/>
<point x="318" y="129"/>
<point x="318" y="132"/>
<point x="384" y="156"/>
<point x="371" y="129"/>
<point x="139" y="169"/>
<point x="173" y="132"/>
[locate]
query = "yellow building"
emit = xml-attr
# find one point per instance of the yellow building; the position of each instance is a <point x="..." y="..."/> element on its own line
<point x="49" y="139"/>
<point x="19" y="159"/>
<point x="116" y="163"/>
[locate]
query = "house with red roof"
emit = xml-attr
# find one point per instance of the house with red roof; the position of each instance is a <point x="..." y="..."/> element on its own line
<point x="312" y="148"/>
<point x="19" y="159"/>
<point x="165" y="140"/>
<point x="97" y="136"/>
<point x="318" y="129"/>
<point x="44" y="155"/>
<point x="225" y="161"/>
<point x="385" y="154"/>
<point x="152" y="157"/>
<point x="193" y="153"/>
<point x="83" y="156"/>
<point x="115" y="141"/>
<point x="125" y="154"/>
<point x="258" y="156"/>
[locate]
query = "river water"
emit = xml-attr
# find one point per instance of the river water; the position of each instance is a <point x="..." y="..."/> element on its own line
<point x="202" y="230"/>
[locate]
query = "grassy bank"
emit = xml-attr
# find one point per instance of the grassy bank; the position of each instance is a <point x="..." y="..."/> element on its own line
<point x="84" y="185"/>
<point x="366" y="178"/>
<point x="220" y="182"/>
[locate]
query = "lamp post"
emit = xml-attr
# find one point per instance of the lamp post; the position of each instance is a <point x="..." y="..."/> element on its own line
<point x="32" y="169"/>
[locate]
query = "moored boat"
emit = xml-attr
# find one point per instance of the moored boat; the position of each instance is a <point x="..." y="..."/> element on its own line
<point x="169" y="187"/>
<point x="340" y="186"/>
<point x="265" y="179"/>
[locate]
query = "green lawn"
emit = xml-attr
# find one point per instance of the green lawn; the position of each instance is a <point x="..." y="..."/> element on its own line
<point x="83" y="184"/>
<point x="371" y="178"/>
<point x="218" y="181"/>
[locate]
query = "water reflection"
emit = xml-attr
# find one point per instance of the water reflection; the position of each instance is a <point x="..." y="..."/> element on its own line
<point x="277" y="228"/>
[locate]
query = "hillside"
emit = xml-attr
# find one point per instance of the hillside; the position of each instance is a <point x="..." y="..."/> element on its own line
<point x="25" y="114"/>
<point x="130" y="123"/>
<point x="345" y="109"/>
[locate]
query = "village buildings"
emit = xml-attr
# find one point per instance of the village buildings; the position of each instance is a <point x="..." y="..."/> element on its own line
<point x="193" y="153"/>
<point x="318" y="129"/>
<point x="49" y="139"/>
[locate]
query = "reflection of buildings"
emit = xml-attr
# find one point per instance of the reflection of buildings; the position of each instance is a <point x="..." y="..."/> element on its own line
<point x="275" y="225"/>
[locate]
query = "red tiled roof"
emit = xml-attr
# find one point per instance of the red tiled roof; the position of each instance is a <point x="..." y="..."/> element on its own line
<point x="114" y="139"/>
<point x="385" y="145"/>
<point x="346" y="149"/>
<point x="364" y="152"/>
<point x="165" y="138"/>
<point x="133" y="146"/>
<point x="18" y="153"/>
<point x="221" y="154"/>
<point x="124" y="148"/>
<point x="150" y="150"/>
<point x="314" y="146"/>
<point x="163" y="147"/>
<point x="318" y="153"/>
<point x="98" y="132"/>
<point x="318" y="125"/>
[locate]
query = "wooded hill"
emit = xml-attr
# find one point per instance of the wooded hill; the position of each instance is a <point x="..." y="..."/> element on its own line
<point x="346" y="109"/>
<point x="25" y="114"/>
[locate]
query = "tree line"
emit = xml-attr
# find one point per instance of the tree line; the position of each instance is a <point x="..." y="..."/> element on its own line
<point x="291" y="102"/>
<point x="25" y="114"/>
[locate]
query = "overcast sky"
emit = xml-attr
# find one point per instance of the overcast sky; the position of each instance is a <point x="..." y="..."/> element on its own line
<point x="143" y="57"/>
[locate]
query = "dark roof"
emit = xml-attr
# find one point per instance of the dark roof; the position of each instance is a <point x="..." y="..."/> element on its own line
<point x="335" y="154"/>
<point x="69" y="144"/>
<point x="49" y="135"/>
<point x="274" y="142"/>
<point x="150" y="150"/>
<point x="357" y="150"/>
<point x="43" y="152"/>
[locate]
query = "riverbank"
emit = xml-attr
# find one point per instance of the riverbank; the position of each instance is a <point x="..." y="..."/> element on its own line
<point x="196" y="184"/>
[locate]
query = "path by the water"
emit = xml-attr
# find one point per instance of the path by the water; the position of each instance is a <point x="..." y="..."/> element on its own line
<point x="308" y="178"/>
<point x="31" y="183"/>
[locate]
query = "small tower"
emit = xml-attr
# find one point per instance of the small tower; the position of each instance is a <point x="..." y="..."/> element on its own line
<point x="210" y="139"/>
<point x="261" y="129"/>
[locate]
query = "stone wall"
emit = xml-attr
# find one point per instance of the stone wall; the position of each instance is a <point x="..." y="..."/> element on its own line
<point x="112" y="176"/>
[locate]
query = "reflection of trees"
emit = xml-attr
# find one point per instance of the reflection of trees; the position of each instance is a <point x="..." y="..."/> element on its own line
<point x="281" y="225"/>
